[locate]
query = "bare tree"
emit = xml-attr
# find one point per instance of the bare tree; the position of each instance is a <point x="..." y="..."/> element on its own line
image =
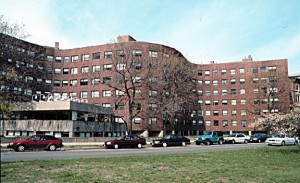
<point x="22" y="66"/>
<point x="171" y="84"/>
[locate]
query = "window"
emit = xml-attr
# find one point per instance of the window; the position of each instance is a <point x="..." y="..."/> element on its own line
<point x="73" y="82"/>
<point x="207" y="82"/>
<point x="272" y="69"/>
<point x="216" y="113"/>
<point x="137" y="79"/>
<point x="256" y="101"/>
<point x="95" y="94"/>
<point x="244" y="123"/>
<point x="200" y="113"/>
<point x="65" y="71"/>
<point x="242" y="81"/>
<point x="207" y="93"/>
<point x="232" y="71"/>
<point x="165" y="55"/>
<point x="120" y="53"/>
<point x="107" y="54"/>
<point x="200" y="123"/>
<point x="85" y="57"/>
<point x="200" y="102"/>
<point x="137" y="66"/>
<point x="137" y="53"/>
<point x="216" y="123"/>
<point x="243" y="112"/>
<point x="242" y="70"/>
<point x="243" y="101"/>
<point x="216" y="92"/>
<point x="264" y="80"/>
<point x="233" y="91"/>
<point x="224" y="102"/>
<point x="199" y="72"/>
<point x="119" y="106"/>
<point x="85" y="69"/>
<point x="96" y="68"/>
<point x="121" y="67"/>
<point x="66" y="59"/>
<point x="224" y="81"/>
<point x="58" y="59"/>
<point x="242" y="91"/>
<point x="255" y="90"/>
<point x="107" y="67"/>
<point x="153" y="54"/>
<point x="73" y="94"/>
<point x="263" y="69"/>
<point x="224" y="92"/>
<point x="57" y="70"/>
<point x="224" y="112"/>
<point x="234" y="112"/>
<point x="106" y="80"/>
<point x="95" y="81"/>
<point x="152" y="106"/>
<point x="233" y="81"/>
<point x="119" y="93"/>
<point x="152" y="121"/>
<point x="84" y="82"/>
<point x="65" y="83"/>
<point x="74" y="58"/>
<point x="200" y="82"/>
<point x="56" y="83"/>
<point x="137" y="120"/>
<point x="225" y="123"/>
<point x="207" y="123"/>
<point x="233" y="102"/>
<point x="49" y="58"/>
<point x="207" y="102"/>
<point x="84" y="94"/>
<point x="215" y="82"/>
<point x="207" y="113"/>
<point x="223" y="71"/>
<point x="216" y="102"/>
<point x="108" y="105"/>
<point x="215" y="72"/>
<point x="200" y="92"/>
<point x="106" y="93"/>
<point x="152" y="93"/>
<point x="255" y="80"/>
<point x="255" y="69"/>
<point x="74" y="70"/>
<point x="234" y="123"/>
<point x="96" y="55"/>
<point x="206" y="72"/>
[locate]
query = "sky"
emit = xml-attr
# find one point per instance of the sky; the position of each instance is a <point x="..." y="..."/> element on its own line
<point x="202" y="30"/>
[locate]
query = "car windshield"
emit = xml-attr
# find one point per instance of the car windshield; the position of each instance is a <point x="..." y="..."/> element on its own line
<point x="207" y="132"/>
<point x="257" y="135"/>
<point x="279" y="135"/>
<point x="167" y="137"/>
<point x="231" y="135"/>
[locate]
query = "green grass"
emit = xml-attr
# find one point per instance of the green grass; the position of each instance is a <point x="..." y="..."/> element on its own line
<point x="267" y="164"/>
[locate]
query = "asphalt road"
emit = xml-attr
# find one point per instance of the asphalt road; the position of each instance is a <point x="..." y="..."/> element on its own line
<point x="11" y="156"/>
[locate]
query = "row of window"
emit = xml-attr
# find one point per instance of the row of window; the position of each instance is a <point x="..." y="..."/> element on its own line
<point x="233" y="71"/>
<point x="234" y="81"/>
<point x="234" y="112"/>
<point x="97" y="55"/>
<point x="243" y="123"/>
<point x="234" y="101"/>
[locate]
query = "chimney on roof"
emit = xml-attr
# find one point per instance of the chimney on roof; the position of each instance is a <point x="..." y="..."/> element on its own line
<point x="125" y="38"/>
<point x="248" y="59"/>
<point x="57" y="45"/>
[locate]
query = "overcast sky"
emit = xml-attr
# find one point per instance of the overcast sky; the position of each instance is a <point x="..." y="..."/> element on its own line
<point x="203" y="30"/>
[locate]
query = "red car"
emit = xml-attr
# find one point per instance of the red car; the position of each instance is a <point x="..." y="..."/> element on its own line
<point x="46" y="142"/>
<point x="126" y="141"/>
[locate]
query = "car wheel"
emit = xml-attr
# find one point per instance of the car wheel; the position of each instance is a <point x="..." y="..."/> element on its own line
<point x="220" y="142"/>
<point x="116" y="146"/>
<point x="259" y="141"/>
<point x="183" y="144"/>
<point x="165" y="144"/>
<point x="233" y="141"/>
<point x="52" y="148"/>
<point x="139" y="146"/>
<point x="283" y="143"/>
<point x="246" y="141"/>
<point x="207" y="142"/>
<point x="21" y="148"/>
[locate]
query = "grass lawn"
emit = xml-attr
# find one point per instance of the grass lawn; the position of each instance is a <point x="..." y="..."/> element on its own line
<point x="267" y="164"/>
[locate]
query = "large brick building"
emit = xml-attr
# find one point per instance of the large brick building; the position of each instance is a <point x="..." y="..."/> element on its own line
<point x="231" y="95"/>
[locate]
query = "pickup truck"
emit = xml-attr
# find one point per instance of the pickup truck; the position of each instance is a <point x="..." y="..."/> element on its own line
<point x="210" y="137"/>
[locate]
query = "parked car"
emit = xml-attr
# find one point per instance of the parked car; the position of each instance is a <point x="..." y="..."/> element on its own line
<point x="259" y="137"/>
<point x="47" y="142"/>
<point x="126" y="141"/>
<point x="281" y="139"/>
<point x="236" y="138"/>
<point x="171" y="140"/>
<point x="210" y="137"/>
